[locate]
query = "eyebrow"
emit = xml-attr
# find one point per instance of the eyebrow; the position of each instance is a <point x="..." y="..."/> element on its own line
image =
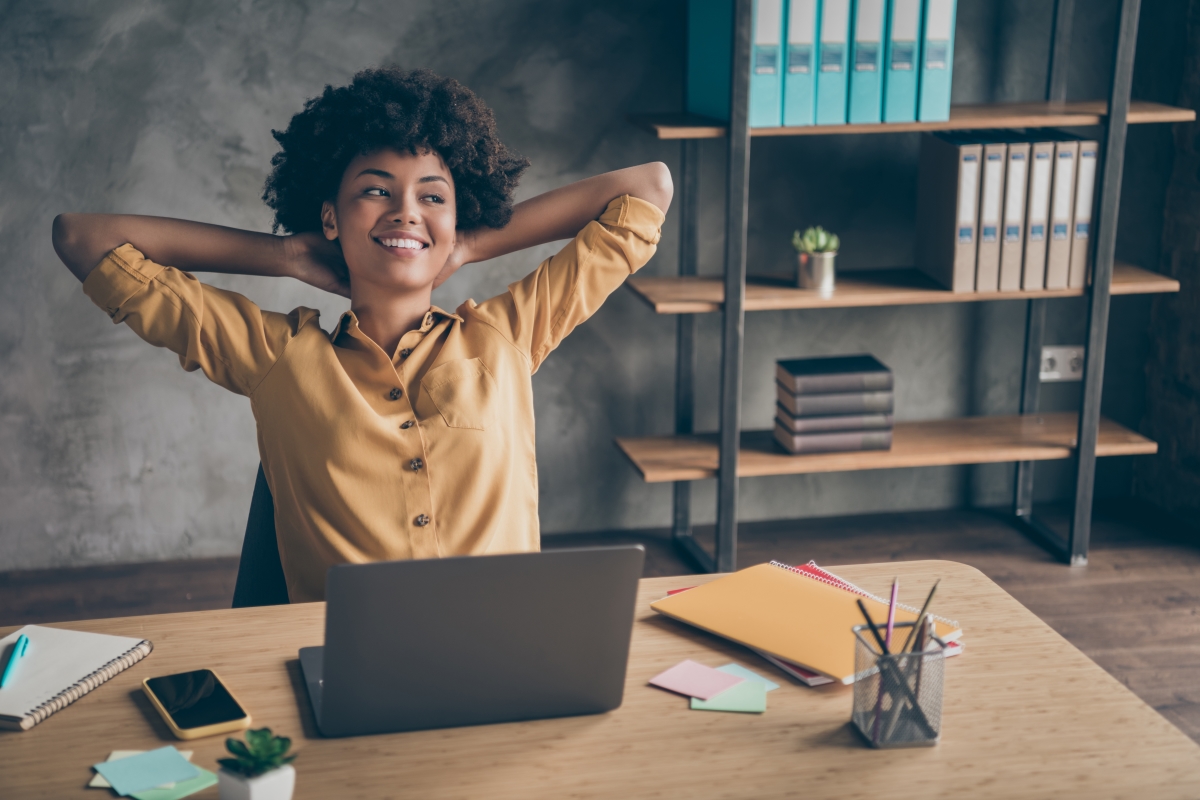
<point x="384" y="174"/>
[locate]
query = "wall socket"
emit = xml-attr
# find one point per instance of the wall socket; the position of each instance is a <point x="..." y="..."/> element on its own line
<point x="1062" y="363"/>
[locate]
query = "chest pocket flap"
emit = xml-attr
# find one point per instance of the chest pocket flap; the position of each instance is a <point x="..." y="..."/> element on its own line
<point x="464" y="392"/>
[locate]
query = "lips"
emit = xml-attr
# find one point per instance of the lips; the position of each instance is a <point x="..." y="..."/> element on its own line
<point x="401" y="243"/>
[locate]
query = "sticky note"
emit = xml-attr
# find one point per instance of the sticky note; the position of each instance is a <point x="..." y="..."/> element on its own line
<point x="694" y="680"/>
<point x="749" y="697"/>
<point x="98" y="781"/>
<point x="147" y="770"/>
<point x="181" y="789"/>
<point x="748" y="674"/>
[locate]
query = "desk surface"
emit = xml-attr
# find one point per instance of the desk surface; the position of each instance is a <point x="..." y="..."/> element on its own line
<point x="1027" y="715"/>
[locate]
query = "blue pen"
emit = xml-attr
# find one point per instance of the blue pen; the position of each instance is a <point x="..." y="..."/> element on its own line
<point x="18" y="650"/>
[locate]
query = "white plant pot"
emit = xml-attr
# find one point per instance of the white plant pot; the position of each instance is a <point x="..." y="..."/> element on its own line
<point x="278" y="784"/>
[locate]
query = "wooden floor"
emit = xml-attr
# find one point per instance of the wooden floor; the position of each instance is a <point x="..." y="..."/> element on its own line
<point x="1135" y="609"/>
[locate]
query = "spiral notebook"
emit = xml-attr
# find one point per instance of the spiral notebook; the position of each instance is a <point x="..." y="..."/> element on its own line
<point x="58" y="668"/>
<point x="782" y="611"/>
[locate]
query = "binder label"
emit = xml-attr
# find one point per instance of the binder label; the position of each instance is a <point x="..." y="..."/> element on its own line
<point x="1037" y="232"/>
<point x="766" y="59"/>
<point x="904" y="55"/>
<point x="1012" y="233"/>
<point x="799" y="59"/>
<point x="831" y="57"/>
<point x="1081" y="230"/>
<point x="964" y="235"/>
<point x="989" y="233"/>
<point x="866" y="56"/>
<point x="935" y="54"/>
<point x="1060" y="231"/>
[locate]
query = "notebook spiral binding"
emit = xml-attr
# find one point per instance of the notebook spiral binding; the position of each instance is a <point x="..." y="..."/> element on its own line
<point x="82" y="687"/>
<point x="827" y="577"/>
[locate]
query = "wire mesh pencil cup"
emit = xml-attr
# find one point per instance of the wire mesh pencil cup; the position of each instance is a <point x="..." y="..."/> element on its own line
<point x="898" y="697"/>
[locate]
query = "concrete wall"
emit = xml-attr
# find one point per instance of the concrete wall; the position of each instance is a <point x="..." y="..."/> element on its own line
<point x="109" y="452"/>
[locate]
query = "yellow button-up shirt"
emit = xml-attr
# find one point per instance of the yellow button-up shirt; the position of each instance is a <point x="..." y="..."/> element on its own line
<point x="425" y="453"/>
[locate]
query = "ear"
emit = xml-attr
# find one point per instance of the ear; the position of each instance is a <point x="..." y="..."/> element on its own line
<point x="329" y="221"/>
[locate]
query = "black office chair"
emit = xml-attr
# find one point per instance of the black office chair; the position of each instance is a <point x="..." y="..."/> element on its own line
<point x="260" y="580"/>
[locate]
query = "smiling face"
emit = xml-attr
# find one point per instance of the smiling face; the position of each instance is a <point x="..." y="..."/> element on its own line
<point x="394" y="216"/>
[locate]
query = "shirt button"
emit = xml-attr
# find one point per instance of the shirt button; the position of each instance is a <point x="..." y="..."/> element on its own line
<point x="416" y="464"/>
<point x="408" y="423"/>
<point x="394" y="394"/>
<point x="421" y="521"/>
<point x="405" y="353"/>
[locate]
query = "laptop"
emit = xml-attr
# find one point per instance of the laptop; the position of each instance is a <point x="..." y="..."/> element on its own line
<point x="439" y="643"/>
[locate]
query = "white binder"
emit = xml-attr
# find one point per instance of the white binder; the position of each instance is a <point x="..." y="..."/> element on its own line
<point x="1062" y="210"/>
<point x="1038" y="218"/>
<point x="1085" y="187"/>
<point x="1012" y="234"/>
<point x="987" y="262"/>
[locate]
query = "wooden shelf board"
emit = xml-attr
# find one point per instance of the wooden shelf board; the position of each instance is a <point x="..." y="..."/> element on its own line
<point x="969" y="440"/>
<point x="892" y="287"/>
<point x="1005" y="115"/>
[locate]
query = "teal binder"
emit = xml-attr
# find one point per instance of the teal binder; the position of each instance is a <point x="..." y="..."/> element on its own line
<point x="937" y="61"/>
<point x="900" y="61"/>
<point x="866" y="62"/>
<point x="833" y="60"/>
<point x="766" y="65"/>
<point x="799" y="80"/>
<point x="709" y="56"/>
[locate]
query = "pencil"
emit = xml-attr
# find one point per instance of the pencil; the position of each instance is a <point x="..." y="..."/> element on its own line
<point x="924" y="609"/>
<point x="874" y="630"/>
<point x="892" y="610"/>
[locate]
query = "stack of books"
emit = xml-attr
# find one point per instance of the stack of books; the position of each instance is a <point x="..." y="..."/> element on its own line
<point x="1006" y="211"/>
<point x="827" y="62"/>
<point x="833" y="404"/>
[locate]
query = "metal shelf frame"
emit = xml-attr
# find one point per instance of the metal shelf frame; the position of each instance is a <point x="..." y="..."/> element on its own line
<point x="1073" y="549"/>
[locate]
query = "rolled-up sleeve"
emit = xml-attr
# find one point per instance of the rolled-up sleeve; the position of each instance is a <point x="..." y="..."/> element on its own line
<point x="222" y="333"/>
<point x="538" y="311"/>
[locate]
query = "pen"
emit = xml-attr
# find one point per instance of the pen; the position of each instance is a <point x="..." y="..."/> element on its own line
<point x="924" y="608"/>
<point x="18" y="650"/>
<point x="892" y="610"/>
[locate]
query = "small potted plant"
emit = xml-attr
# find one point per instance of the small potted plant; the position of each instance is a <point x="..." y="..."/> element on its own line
<point x="260" y="768"/>
<point x="816" y="252"/>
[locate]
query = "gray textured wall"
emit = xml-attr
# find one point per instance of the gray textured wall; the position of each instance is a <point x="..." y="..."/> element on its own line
<point x="109" y="452"/>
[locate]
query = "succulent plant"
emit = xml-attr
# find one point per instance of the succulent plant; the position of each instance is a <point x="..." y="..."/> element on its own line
<point x="259" y="754"/>
<point x="815" y="240"/>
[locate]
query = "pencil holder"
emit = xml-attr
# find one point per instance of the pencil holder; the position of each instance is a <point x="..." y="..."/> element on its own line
<point x="897" y="698"/>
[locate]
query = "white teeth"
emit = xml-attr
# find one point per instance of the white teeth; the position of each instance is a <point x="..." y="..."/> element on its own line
<point x="407" y="244"/>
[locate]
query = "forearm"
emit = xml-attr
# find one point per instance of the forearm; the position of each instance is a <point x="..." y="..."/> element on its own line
<point x="82" y="240"/>
<point x="561" y="213"/>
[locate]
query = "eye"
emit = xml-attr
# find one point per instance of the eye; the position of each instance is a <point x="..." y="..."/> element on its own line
<point x="376" y="191"/>
<point x="436" y="198"/>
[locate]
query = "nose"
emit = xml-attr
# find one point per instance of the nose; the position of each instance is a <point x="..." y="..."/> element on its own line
<point x="406" y="210"/>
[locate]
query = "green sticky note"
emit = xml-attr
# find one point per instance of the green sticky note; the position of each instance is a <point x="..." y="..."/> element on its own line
<point x="749" y="697"/>
<point x="181" y="789"/>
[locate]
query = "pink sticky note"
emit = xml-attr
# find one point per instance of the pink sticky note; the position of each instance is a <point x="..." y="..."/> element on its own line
<point x="695" y="680"/>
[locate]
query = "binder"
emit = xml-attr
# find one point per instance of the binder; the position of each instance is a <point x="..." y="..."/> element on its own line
<point x="833" y="58"/>
<point x="799" y="78"/>
<point x="1085" y="186"/>
<point x="1033" y="275"/>
<point x="1012" y="234"/>
<point x="900" y="61"/>
<point x="987" y="263"/>
<point x="1062" y="199"/>
<point x="766" y="61"/>
<point x="947" y="202"/>
<point x="709" y="58"/>
<point x="866" y="62"/>
<point x="937" y="60"/>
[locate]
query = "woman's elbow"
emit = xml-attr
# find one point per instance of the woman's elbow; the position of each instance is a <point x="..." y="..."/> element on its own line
<point x="662" y="188"/>
<point x="67" y="239"/>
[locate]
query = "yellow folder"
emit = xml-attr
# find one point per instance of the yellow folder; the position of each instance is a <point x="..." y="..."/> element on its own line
<point x="788" y="615"/>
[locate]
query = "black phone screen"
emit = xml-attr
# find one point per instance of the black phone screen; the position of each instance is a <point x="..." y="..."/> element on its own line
<point x="195" y="699"/>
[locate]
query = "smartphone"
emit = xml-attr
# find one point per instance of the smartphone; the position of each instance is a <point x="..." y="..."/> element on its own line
<point x="196" y="704"/>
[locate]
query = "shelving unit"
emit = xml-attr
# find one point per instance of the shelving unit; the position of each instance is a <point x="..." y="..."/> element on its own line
<point x="730" y="453"/>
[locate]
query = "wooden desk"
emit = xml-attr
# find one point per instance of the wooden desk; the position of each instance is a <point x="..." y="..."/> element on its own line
<point x="1027" y="715"/>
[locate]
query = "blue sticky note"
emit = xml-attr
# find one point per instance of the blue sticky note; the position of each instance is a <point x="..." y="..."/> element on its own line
<point x="180" y="790"/>
<point x="146" y="771"/>
<point x="748" y="674"/>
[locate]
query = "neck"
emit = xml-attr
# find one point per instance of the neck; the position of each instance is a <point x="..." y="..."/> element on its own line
<point x="385" y="316"/>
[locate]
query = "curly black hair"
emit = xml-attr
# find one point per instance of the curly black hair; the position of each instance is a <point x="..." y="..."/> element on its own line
<point x="413" y="112"/>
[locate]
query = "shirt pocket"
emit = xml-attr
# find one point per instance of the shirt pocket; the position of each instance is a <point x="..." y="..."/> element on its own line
<point x="464" y="393"/>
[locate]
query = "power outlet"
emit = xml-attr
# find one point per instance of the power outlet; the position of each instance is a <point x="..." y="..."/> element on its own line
<point x="1062" y="363"/>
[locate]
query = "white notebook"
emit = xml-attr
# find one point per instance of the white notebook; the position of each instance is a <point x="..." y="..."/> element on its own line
<point x="58" y="668"/>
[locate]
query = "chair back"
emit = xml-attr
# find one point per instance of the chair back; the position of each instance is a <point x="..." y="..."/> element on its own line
<point x="260" y="580"/>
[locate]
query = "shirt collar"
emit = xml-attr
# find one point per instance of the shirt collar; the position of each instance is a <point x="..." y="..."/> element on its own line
<point x="347" y="324"/>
